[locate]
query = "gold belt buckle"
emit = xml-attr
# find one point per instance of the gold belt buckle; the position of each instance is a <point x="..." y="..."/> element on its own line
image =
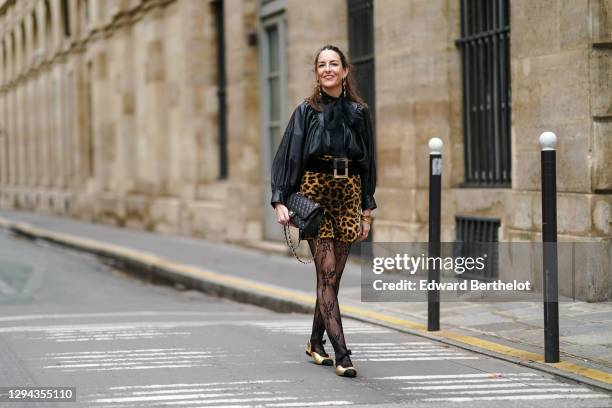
<point x="346" y="168"/>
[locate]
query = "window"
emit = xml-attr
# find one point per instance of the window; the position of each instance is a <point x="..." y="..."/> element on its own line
<point x="221" y="86"/>
<point x="361" y="48"/>
<point x="48" y="28"/>
<point x="275" y="107"/>
<point x="485" y="58"/>
<point x="361" y="55"/>
<point x="23" y="58"/>
<point x="275" y="80"/>
<point x="66" y="17"/>
<point x="34" y="33"/>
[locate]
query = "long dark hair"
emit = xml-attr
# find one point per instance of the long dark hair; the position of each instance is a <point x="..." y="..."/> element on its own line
<point x="352" y="94"/>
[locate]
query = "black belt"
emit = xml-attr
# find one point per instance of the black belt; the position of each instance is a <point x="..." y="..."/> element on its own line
<point x="340" y="167"/>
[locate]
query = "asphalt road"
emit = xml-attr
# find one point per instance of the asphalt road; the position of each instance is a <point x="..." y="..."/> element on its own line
<point x="67" y="319"/>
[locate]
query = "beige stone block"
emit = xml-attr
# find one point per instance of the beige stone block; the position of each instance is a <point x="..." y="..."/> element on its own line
<point x="393" y="231"/>
<point x="453" y="171"/>
<point x="573" y="174"/>
<point x="155" y="70"/>
<point x="165" y="215"/>
<point x="526" y="162"/>
<point x="535" y="27"/>
<point x="520" y="211"/>
<point x="481" y="202"/>
<point x="389" y="167"/>
<point x="395" y="123"/>
<point x="101" y="66"/>
<point x="109" y="209"/>
<point x="601" y="82"/>
<point x="138" y="211"/>
<point x="209" y="220"/>
<point x="551" y="89"/>
<point x="601" y="12"/>
<point x="602" y="156"/>
<point x="602" y="215"/>
<point x="574" y="23"/>
<point x="573" y="214"/>
<point x="515" y="235"/>
<point x="398" y="204"/>
<point x="590" y="271"/>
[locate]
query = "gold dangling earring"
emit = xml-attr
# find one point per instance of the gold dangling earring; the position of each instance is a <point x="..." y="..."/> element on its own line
<point x="343" y="87"/>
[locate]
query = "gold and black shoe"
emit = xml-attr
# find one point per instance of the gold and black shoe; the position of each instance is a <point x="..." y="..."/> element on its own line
<point x="344" y="365"/>
<point x="318" y="354"/>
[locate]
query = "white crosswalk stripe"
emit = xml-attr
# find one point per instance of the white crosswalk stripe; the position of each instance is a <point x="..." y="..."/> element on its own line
<point x="407" y="351"/>
<point x="141" y="359"/>
<point x="305" y="327"/>
<point x="489" y="387"/>
<point x="235" y="393"/>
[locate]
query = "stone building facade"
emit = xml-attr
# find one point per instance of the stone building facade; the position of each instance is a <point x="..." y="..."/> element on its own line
<point x="164" y="114"/>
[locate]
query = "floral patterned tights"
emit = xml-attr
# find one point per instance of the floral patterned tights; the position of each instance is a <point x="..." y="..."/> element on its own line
<point x="330" y="258"/>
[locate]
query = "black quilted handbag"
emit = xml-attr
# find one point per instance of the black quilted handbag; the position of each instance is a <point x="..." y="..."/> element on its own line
<point x="304" y="214"/>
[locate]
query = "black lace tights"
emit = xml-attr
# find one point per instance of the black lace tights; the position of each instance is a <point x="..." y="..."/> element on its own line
<point x="330" y="258"/>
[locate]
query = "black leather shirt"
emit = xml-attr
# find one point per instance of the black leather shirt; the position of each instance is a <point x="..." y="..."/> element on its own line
<point x="306" y="137"/>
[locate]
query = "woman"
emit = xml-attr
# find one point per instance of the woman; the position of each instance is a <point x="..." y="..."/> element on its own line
<point x="327" y="153"/>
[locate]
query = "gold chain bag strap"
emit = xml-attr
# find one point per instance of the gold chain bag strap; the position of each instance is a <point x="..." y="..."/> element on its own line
<point x="304" y="214"/>
<point x="292" y="247"/>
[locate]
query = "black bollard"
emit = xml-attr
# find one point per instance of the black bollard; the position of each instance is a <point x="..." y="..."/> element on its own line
<point x="433" y="275"/>
<point x="548" y="140"/>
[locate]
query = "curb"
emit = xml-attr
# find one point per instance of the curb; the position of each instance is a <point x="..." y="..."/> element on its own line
<point x="288" y="300"/>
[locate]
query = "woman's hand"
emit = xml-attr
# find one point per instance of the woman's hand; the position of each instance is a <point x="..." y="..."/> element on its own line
<point x="282" y="215"/>
<point x="365" y="226"/>
<point x="365" y="230"/>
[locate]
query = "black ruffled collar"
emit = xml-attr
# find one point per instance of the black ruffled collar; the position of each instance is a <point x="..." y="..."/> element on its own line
<point x="335" y="111"/>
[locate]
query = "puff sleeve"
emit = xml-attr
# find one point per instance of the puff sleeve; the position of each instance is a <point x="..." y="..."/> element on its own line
<point x="368" y="178"/>
<point x="287" y="163"/>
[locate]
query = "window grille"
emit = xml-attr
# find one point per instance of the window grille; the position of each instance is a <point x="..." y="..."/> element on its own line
<point x="474" y="236"/>
<point x="485" y="58"/>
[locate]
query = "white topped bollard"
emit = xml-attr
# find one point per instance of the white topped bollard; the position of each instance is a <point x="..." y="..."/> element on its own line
<point x="435" y="185"/>
<point x="435" y="145"/>
<point x="548" y="142"/>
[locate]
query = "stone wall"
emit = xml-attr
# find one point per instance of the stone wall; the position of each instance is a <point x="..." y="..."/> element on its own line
<point x="118" y="121"/>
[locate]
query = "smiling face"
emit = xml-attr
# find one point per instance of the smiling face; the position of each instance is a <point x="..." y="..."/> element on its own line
<point x="330" y="72"/>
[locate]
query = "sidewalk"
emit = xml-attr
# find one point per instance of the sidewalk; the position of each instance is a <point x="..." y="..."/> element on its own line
<point x="512" y="331"/>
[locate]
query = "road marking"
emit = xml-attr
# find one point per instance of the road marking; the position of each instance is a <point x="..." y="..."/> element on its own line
<point x="114" y="314"/>
<point x="156" y="386"/>
<point x="116" y="351"/>
<point x="144" y="367"/>
<point x="406" y="343"/>
<point x="104" y="355"/>
<point x="516" y="397"/>
<point x="547" y="390"/>
<point x="128" y="359"/>
<point x="481" y="386"/>
<point x="484" y="386"/>
<point x="309" y="404"/>
<point x="422" y="351"/>
<point x="154" y="398"/>
<point x="452" y="376"/>
<point x="483" y="380"/>
<point x="305" y="327"/>
<point x="169" y="400"/>
<point x="420" y="358"/>
<point x="122" y="326"/>
<point x="204" y="394"/>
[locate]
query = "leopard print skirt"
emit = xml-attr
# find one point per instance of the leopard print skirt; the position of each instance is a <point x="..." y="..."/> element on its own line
<point x="341" y="202"/>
